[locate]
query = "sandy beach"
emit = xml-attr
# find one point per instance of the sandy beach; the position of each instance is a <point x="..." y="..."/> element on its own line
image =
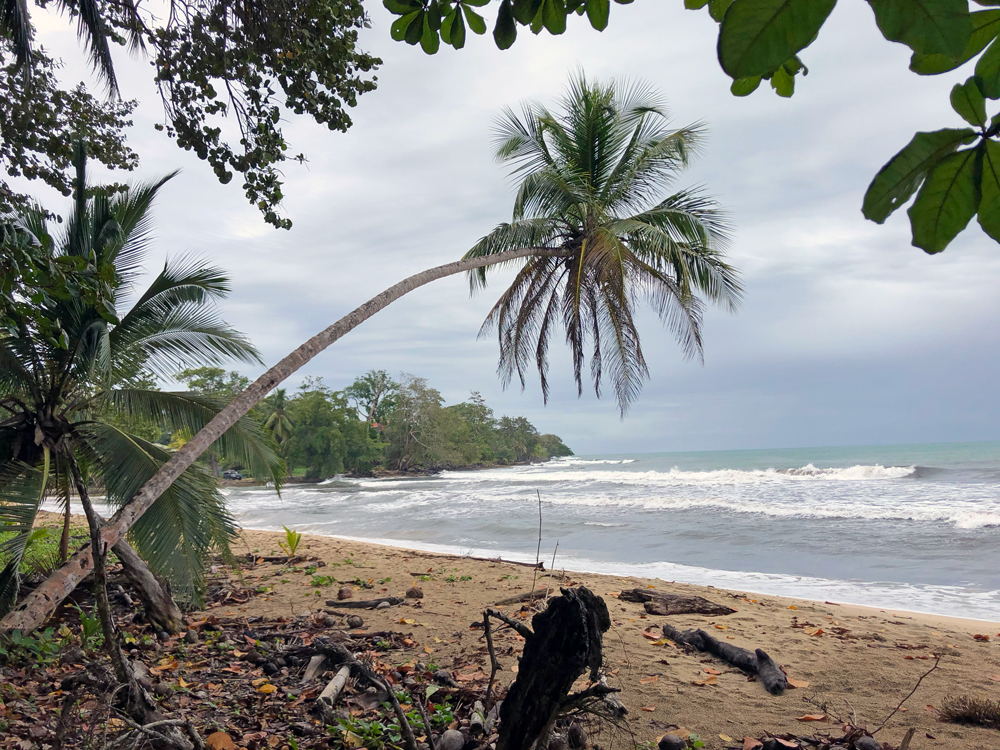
<point x="853" y="663"/>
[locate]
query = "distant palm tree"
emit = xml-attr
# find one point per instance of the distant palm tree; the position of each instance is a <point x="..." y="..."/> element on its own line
<point x="277" y="421"/>
<point x="65" y="411"/>
<point x="592" y="182"/>
<point x="594" y="210"/>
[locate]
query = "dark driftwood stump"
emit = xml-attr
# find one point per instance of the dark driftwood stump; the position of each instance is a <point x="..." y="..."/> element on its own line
<point x="755" y="662"/>
<point x="567" y="640"/>
<point x="661" y="603"/>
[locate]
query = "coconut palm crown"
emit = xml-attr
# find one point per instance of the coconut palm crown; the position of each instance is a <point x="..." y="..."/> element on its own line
<point x="593" y="178"/>
<point x="63" y="404"/>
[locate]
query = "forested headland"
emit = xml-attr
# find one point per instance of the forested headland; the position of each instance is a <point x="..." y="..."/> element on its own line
<point x="375" y="425"/>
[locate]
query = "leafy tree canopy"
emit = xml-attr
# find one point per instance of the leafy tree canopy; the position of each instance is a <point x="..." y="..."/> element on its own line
<point x="41" y="121"/>
<point x="228" y="72"/>
<point x="954" y="173"/>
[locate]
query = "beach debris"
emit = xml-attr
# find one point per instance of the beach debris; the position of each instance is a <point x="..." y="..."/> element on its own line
<point x="355" y="621"/>
<point x="414" y="592"/>
<point x="755" y="662"/>
<point x="452" y="739"/>
<point x="527" y="596"/>
<point x="577" y="736"/>
<point x="662" y="603"/>
<point x="346" y="592"/>
<point x="388" y="601"/>
<point x="671" y="742"/>
<point x="971" y="709"/>
<point x="565" y="643"/>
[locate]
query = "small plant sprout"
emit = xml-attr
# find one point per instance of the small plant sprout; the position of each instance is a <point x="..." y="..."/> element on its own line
<point x="291" y="543"/>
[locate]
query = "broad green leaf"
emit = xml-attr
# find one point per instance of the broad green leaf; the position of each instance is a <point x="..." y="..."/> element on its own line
<point x="717" y="9"/>
<point x="985" y="27"/>
<point x="415" y="30"/>
<point x="398" y="29"/>
<point x="458" y="31"/>
<point x="598" y="12"/>
<point x="968" y="101"/>
<point x="525" y="11"/>
<point x="401" y="7"/>
<point x="759" y="35"/>
<point x="988" y="70"/>
<point x="446" y="24"/>
<point x="554" y="16"/>
<point x="745" y="86"/>
<point x="695" y="4"/>
<point x="783" y="82"/>
<point x="926" y="26"/>
<point x="430" y="41"/>
<point x="476" y="22"/>
<point x="989" y="206"/>
<point x="947" y="201"/>
<point x="505" y="31"/>
<point x="902" y="175"/>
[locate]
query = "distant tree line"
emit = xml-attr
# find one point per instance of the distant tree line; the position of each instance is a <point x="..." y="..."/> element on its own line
<point x="375" y="424"/>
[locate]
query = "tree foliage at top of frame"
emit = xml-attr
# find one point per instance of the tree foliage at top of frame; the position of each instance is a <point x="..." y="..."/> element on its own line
<point x="954" y="173"/>
<point x="228" y="73"/>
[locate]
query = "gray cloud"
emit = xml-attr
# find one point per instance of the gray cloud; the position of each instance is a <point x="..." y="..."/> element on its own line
<point x="848" y="334"/>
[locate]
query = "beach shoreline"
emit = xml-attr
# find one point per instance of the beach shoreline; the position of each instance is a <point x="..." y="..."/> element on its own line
<point x="850" y="655"/>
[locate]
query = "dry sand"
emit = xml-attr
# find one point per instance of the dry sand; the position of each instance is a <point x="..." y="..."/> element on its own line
<point x="860" y="667"/>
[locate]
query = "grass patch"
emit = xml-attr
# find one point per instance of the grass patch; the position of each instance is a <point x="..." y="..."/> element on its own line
<point x="971" y="709"/>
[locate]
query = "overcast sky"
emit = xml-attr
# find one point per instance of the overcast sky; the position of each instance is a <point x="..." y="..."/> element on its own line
<point x="849" y="336"/>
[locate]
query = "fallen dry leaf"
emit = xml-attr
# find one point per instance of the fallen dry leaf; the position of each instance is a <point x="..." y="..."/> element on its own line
<point x="796" y="683"/>
<point x="649" y="679"/>
<point x="749" y="743"/>
<point x="710" y="680"/>
<point x="722" y="627"/>
<point x="792" y="606"/>
<point x="930" y="709"/>
<point x="726" y="738"/>
<point x="995" y="677"/>
<point x="259" y="681"/>
<point x="267" y="689"/>
<point x="981" y="638"/>
<point x="812" y="717"/>
<point x="220" y="741"/>
<point x="652" y="636"/>
<point x="709" y="670"/>
<point x="648" y="708"/>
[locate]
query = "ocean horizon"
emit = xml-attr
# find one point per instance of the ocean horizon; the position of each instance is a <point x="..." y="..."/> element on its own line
<point x="911" y="527"/>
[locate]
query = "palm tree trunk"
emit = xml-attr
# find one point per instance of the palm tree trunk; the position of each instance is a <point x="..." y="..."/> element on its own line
<point x="161" y="609"/>
<point x="38" y="605"/>
<point x="64" y="539"/>
<point x="122" y="671"/>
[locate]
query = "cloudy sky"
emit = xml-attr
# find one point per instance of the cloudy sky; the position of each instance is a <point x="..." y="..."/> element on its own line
<point x="848" y="336"/>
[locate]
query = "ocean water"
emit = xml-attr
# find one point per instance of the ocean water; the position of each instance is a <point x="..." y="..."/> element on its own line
<point x="912" y="527"/>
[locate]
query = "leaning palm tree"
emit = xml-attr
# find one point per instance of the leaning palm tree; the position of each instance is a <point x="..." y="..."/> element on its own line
<point x="592" y="182"/>
<point x="65" y="406"/>
<point x="595" y="211"/>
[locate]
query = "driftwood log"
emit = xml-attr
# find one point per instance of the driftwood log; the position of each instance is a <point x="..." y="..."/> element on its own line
<point x="364" y="603"/>
<point x="662" y="603"/>
<point x="753" y="662"/>
<point x="565" y="641"/>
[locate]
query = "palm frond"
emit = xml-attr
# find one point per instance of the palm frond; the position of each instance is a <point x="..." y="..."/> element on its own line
<point x="22" y="489"/>
<point x="189" y="519"/>
<point x="15" y="24"/>
<point x="519" y="234"/>
<point x="93" y="30"/>
<point x="245" y="442"/>
<point x="132" y="211"/>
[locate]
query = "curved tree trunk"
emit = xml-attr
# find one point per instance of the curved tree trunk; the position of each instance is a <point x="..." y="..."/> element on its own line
<point x="38" y="605"/>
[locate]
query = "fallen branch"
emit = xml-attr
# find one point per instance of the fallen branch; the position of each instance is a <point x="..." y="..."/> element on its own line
<point x="364" y="603"/>
<point x="662" y="603"/>
<point x="881" y="726"/>
<point x="494" y="664"/>
<point x="527" y="596"/>
<point x="519" y="627"/>
<point x="754" y="662"/>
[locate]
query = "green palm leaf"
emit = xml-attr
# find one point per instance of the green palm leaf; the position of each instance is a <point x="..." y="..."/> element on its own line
<point x="187" y="521"/>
